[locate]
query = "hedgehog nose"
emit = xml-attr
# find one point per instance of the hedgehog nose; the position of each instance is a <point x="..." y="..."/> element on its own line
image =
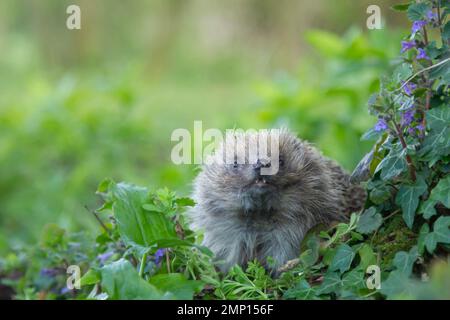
<point x="260" y="164"/>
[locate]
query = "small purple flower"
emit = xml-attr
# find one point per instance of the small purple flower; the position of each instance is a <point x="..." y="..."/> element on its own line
<point x="409" y="88"/>
<point x="417" y="25"/>
<point x="421" y="128"/>
<point x="381" y="125"/>
<point x="406" y="45"/>
<point x="105" y="256"/>
<point x="431" y="15"/>
<point x="422" y="54"/>
<point x="159" y="254"/>
<point x="408" y="116"/>
<point x="48" y="272"/>
<point x="64" y="290"/>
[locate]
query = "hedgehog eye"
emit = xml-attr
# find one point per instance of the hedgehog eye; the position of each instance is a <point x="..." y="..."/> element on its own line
<point x="281" y="161"/>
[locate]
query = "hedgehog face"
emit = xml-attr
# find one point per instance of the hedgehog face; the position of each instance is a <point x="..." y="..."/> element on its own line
<point x="247" y="191"/>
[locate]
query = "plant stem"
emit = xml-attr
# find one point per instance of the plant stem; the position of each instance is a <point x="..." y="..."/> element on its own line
<point x="412" y="169"/>
<point x="142" y="266"/>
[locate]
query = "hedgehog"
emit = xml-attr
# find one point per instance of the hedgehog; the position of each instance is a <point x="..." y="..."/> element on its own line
<point x="246" y="214"/>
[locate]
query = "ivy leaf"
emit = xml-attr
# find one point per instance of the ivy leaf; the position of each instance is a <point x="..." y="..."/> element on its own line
<point x="331" y="283"/>
<point x="440" y="193"/>
<point x="404" y="261"/>
<point x="430" y="242"/>
<point x="342" y="259"/>
<point x="441" y="229"/>
<point x="437" y="142"/>
<point x="354" y="279"/>
<point x="302" y="290"/>
<point x="417" y="11"/>
<point x="424" y="231"/>
<point x="369" y="221"/>
<point x="393" y="164"/>
<point x="367" y="256"/>
<point x="408" y="198"/>
<point x="397" y="285"/>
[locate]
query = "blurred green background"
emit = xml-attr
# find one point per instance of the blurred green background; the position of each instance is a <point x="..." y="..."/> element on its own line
<point x="78" y="106"/>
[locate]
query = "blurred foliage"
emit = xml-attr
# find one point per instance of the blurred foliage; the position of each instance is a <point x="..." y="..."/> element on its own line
<point x="78" y="106"/>
<point x="325" y="101"/>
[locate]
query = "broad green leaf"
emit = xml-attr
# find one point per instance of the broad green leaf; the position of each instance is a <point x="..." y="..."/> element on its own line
<point x="342" y="259"/>
<point x="120" y="280"/>
<point x="301" y="291"/>
<point x="404" y="261"/>
<point x="310" y="252"/>
<point x="408" y="198"/>
<point x="369" y="221"/>
<point x="91" y="277"/>
<point x="177" y="284"/>
<point x="136" y="225"/>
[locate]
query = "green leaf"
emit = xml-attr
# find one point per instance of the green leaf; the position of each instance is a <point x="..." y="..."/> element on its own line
<point x="302" y="291"/>
<point x="310" y="250"/>
<point x="91" y="277"/>
<point x="397" y="285"/>
<point x="137" y="226"/>
<point x="393" y="164"/>
<point x="342" y="259"/>
<point x="367" y="256"/>
<point x="404" y="261"/>
<point x="121" y="281"/>
<point x="430" y="242"/>
<point x="331" y="283"/>
<point x="177" y="284"/>
<point x="327" y="43"/>
<point x="369" y="221"/>
<point x="439" y="194"/>
<point x="417" y="11"/>
<point x="401" y="7"/>
<point x="437" y="141"/>
<point x="408" y="198"/>
<point x="380" y="194"/>
<point x="185" y="202"/>
<point x="424" y="231"/>
<point x="441" y="229"/>
<point x="354" y="280"/>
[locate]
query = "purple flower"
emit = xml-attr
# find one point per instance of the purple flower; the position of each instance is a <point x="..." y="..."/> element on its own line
<point x="431" y="15"/>
<point x="105" y="256"/>
<point x="422" y="54"/>
<point x="409" y="88"/>
<point x="421" y="128"/>
<point x="158" y="255"/>
<point x="381" y="125"/>
<point x="406" y="45"/>
<point x="417" y="25"/>
<point x="408" y="116"/>
<point x="49" y="272"/>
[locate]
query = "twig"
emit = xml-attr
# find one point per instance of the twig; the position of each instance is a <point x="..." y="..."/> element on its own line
<point x="168" y="261"/>
<point x="412" y="169"/>
<point x="98" y="219"/>
<point x="421" y="71"/>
